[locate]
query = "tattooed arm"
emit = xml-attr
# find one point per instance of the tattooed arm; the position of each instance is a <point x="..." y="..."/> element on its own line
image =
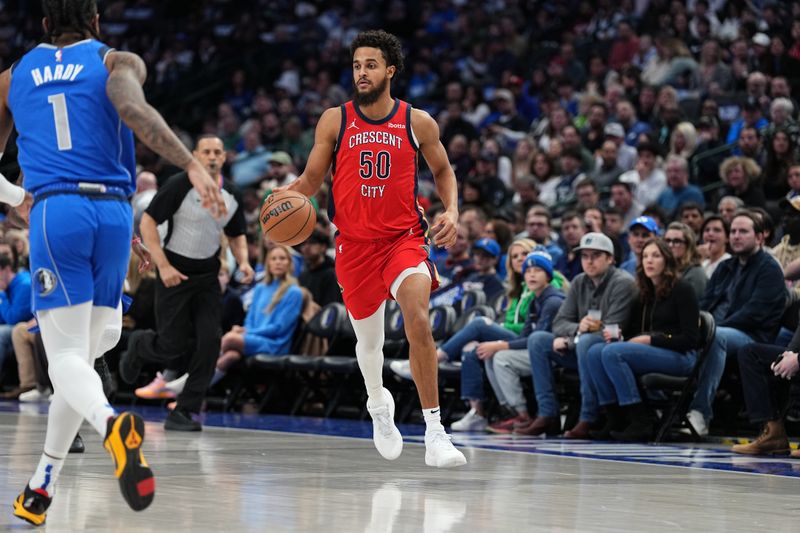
<point x="127" y="73"/>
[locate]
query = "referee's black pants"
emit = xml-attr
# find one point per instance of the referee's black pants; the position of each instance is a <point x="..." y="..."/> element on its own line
<point x="765" y="394"/>
<point x="188" y="318"/>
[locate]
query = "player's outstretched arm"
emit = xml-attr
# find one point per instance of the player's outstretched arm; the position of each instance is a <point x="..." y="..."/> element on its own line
<point x="321" y="156"/>
<point x="427" y="132"/>
<point x="10" y="194"/>
<point x="127" y="73"/>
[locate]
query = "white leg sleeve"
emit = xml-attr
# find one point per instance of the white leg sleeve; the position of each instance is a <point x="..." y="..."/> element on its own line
<point x="66" y="338"/>
<point x="369" y="351"/>
<point x="106" y="329"/>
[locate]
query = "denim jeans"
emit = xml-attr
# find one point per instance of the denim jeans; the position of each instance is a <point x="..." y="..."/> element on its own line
<point x="540" y="350"/>
<point x="727" y="342"/>
<point x="614" y="372"/>
<point x="480" y="329"/>
<point x="472" y="370"/>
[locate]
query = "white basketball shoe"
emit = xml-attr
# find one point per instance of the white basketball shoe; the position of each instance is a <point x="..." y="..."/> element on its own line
<point x="385" y="435"/>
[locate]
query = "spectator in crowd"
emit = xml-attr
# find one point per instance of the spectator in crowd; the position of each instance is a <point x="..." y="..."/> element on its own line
<point x="587" y="195"/>
<point x="562" y="189"/>
<point x="692" y="215"/>
<point x="593" y="136"/>
<point x="704" y="163"/>
<point x="781" y="155"/>
<point x="607" y="170"/>
<point x="494" y="340"/>
<point x="251" y="164"/>
<point x="457" y="264"/>
<point x="537" y="224"/>
<point x="740" y="175"/>
<point x="573" y="228"/>
<point x="661" y="336"/>
<point x="623" y="200"/>
<point x="485" y="255"/>
<point x="15" y="303"/>
<point x="767" y="373"/>
<point x="682" y="242"/>
<point x="647" y="178"/>
<point x="752" y="117"/>
<point x="626" y="155"/>
<point x="319" y="274"/>
<point x="678" y="191"/>
<point x="728" y="206"/>
<point x="508" y="361"/>
<point x="714" y="249"/>
<point x="683" y="140"/>
<point x="750" y="145"/>
<point x="280" y="171"/>
<point x="788" y="249"/>
<point x="601" y="294"/>
<point x="271" y="318"/>
<point x="474" y="219"/>
<point x="492" y="189"/>
<point x="639" y="231"/>
<point x="23" y="342"/>
<point x="571" y="140"/>
<point x="746" y="296"/>
<point x="626" y="116"/>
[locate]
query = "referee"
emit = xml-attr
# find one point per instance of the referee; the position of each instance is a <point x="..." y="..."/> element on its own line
<point x="188" y="304"/>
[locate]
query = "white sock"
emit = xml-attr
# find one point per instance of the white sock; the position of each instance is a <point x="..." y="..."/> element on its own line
<point x="218" y="375"/>
<point x="46" y="474"/>
<point x="433" y="419"/>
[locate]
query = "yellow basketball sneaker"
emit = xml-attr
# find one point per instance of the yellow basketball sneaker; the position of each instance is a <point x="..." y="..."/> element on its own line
<point x="31" y="505"/>
<point x="123" y="441"/>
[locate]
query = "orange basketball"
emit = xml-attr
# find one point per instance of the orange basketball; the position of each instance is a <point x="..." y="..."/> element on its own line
<point x="287" y="217"/>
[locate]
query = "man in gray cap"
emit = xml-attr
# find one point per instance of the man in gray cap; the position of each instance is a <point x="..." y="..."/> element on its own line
<point x="600" y="296"/>
<point x="280" y="171"/>
<point x="626" y="155"/>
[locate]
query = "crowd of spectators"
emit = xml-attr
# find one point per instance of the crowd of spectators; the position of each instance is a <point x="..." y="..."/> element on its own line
<point x="634" y="119"/>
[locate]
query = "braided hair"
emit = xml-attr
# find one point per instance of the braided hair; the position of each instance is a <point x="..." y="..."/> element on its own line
<point x="66" y="16"/>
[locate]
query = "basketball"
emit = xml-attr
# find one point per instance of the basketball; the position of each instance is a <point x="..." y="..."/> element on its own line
<point x="287" y="217"/>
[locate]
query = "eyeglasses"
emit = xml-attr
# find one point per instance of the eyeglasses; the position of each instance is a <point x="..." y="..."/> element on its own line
<point x="675" y="242"/>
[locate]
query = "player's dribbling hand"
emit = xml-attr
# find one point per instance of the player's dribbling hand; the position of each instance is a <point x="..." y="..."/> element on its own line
<point x="444" y="230"/>
<point x="171" y="276"/>
<point x="207" y="188"/>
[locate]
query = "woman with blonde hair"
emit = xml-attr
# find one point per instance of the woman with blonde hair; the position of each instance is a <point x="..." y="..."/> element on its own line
<point x="683" y="140"/>
<point x="271" y="318"/>
<point x="740" y="175"/>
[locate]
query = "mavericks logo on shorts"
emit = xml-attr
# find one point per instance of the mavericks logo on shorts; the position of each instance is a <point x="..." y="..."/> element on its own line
<point x="45" y="281"/>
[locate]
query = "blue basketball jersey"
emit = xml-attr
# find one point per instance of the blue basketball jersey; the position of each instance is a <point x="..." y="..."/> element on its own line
<point x="68" y="129"/>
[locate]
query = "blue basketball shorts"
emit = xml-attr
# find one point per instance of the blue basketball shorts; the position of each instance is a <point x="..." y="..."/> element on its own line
<point x="80" y="248"/>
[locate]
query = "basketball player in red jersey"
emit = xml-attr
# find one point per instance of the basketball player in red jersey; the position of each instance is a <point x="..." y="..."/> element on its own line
<point x="373" y="143"/>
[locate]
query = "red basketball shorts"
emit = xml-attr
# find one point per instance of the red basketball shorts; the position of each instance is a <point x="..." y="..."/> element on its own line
<point x="367" y="269"/>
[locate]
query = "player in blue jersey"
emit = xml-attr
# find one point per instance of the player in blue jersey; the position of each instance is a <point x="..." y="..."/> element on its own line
<point x="74" y="102"/>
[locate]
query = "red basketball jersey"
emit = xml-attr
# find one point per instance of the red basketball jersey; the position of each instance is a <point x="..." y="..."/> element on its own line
<point x="374" y="194"/>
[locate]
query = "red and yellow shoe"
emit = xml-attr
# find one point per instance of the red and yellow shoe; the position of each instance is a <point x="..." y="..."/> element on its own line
<point x="31" y="505"/>
<point x="123" y="441"/>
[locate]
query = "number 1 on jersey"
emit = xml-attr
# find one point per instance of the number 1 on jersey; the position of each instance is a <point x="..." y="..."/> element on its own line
<point x="63" y="136"/>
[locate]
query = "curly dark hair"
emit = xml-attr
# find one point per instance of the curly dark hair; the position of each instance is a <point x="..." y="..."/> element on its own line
<point x="669" y="277"/>
<point x="66" y="16"/>
<point x="388" y="44"/>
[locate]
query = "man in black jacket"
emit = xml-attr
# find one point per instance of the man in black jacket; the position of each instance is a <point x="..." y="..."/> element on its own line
<point x="319" y="274"/>
<point x="746" y="296"/>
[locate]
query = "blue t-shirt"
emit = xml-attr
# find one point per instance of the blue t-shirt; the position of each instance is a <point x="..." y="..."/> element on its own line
<point x="69" y="131"/>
